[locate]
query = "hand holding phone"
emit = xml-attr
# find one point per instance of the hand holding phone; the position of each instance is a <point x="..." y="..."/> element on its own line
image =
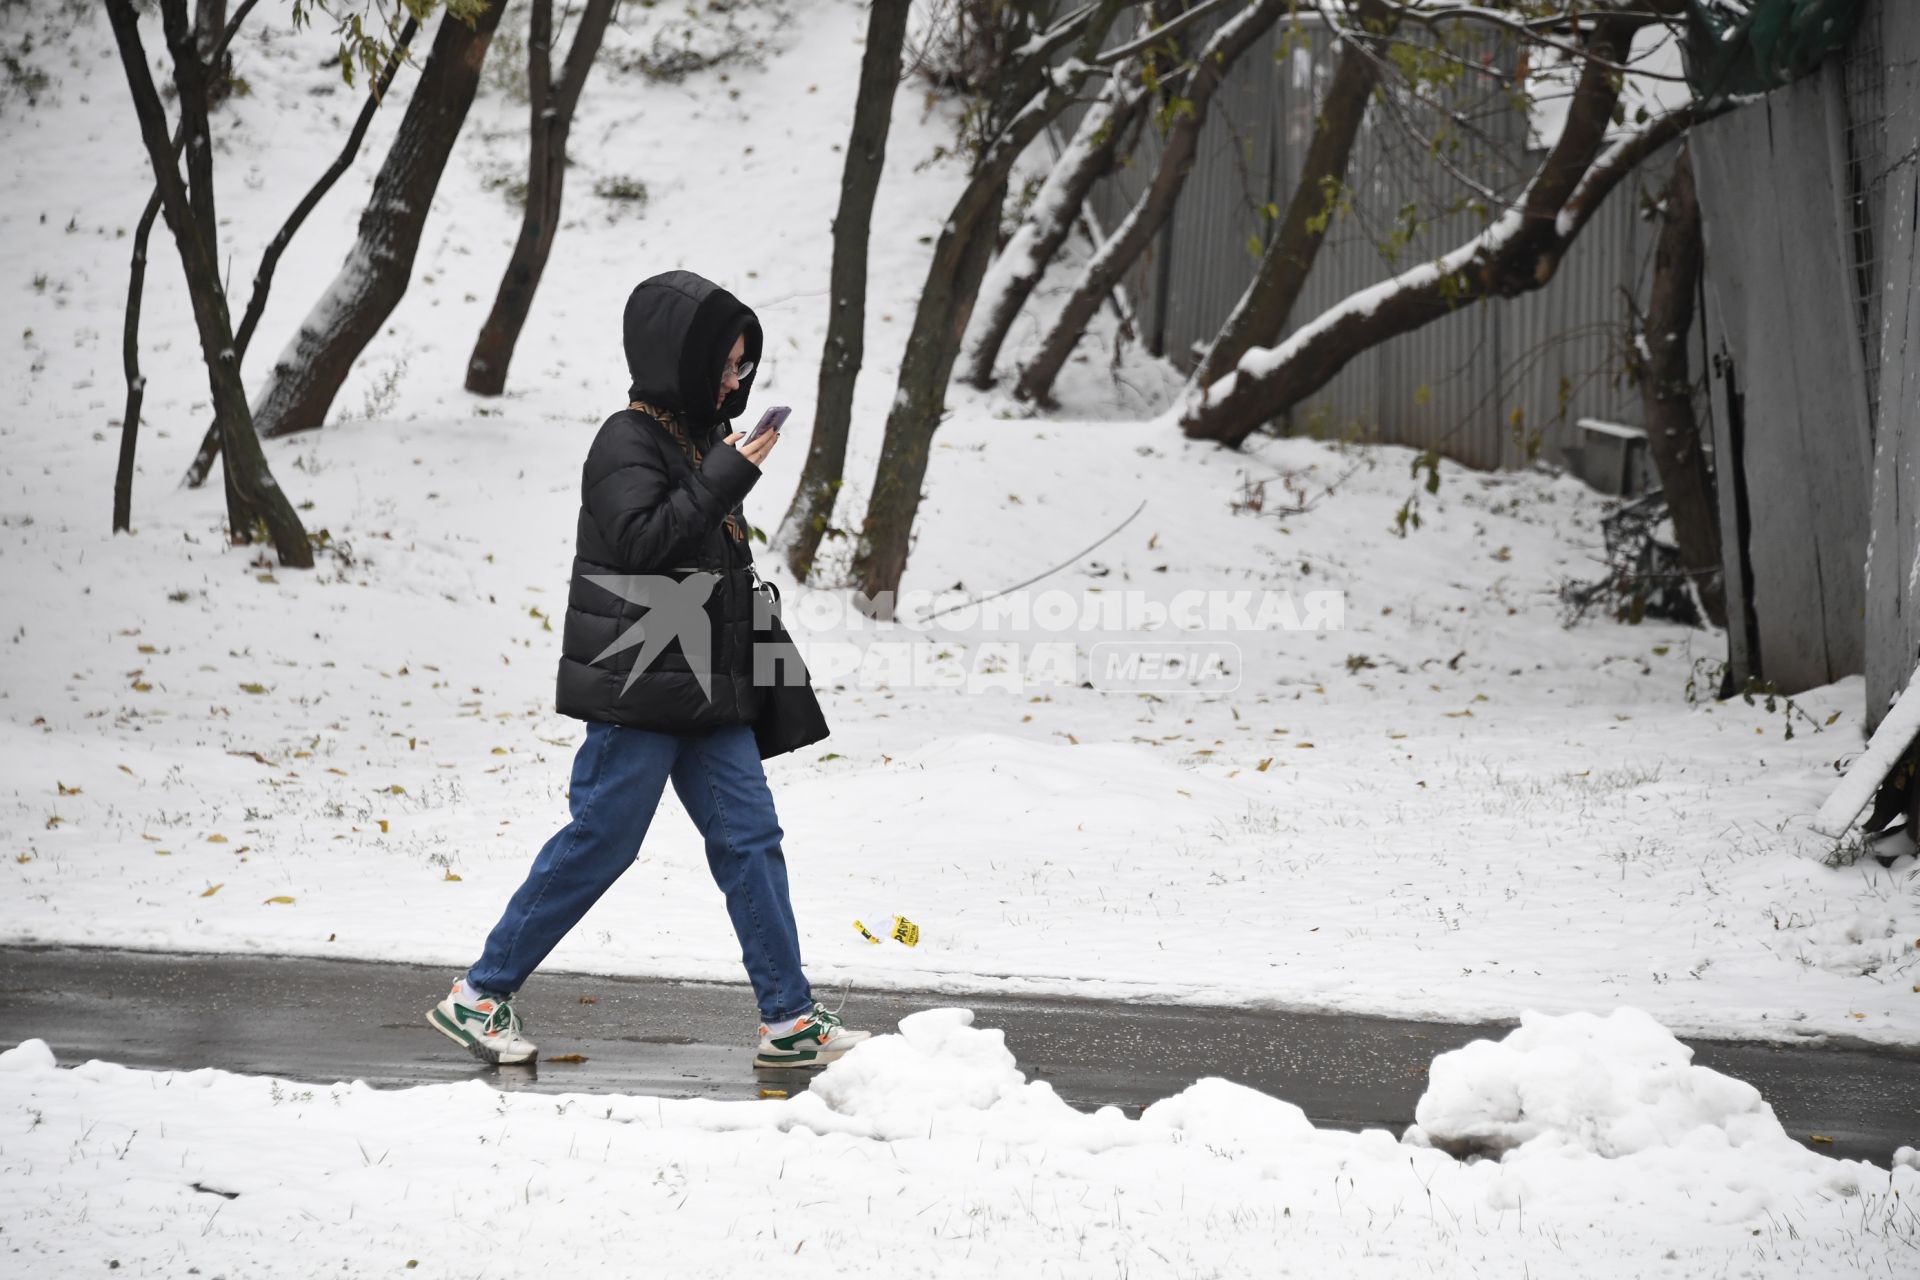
<point x="772" y="420"/>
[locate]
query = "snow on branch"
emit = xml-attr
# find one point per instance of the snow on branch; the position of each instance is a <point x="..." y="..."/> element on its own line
<point x="1140" y="44"/>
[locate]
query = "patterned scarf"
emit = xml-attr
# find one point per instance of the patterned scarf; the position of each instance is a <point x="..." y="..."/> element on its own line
<point x="672" y="423"/>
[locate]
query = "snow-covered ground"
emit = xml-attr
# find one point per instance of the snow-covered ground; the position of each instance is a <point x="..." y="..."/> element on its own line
<point x="1467" y="809"/>
<point x="926" y="1152"/>
<point x="1454" y="806"/>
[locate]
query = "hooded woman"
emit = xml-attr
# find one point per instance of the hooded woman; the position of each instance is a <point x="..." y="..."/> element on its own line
<point x="661" y="537"/>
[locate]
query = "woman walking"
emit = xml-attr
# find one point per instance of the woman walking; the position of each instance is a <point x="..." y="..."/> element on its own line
<point x="661" y="530"/>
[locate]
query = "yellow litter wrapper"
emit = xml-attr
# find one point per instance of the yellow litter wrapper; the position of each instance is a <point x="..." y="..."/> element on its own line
<point x="865" y="933"/>
<point x="906" y="931"/>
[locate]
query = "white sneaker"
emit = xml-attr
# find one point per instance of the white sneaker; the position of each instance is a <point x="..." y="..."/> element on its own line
<point x="814" y="1040"/>
<point x="485" y="1025"/>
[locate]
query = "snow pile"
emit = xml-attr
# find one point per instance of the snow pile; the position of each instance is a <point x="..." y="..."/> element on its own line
<point x="919" y="1153"/>
<point x="1612" y="1086"/>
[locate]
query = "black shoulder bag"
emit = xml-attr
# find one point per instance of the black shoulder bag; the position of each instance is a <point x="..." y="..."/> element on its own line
<point x="790" y="715"/>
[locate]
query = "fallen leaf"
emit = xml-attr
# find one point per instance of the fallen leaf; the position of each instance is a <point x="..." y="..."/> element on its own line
<point x="1820" y="1138"/>
<point x="589" y="999"/>
<point x="450" y="875"/>
<point x="1266" y="763"/>
<point x="565" y="1057"/>
<point x="213" y="889"/>
<point x="253" y="687"/>
<point x="278" y="897"/>
<point x="500" y="751"/>
<point x="66" y="790"/>
<point x="383" y="825"/>
<point x="395" y="789"/>
<point x="216" y="838"/>
<point x="141" y="686"/>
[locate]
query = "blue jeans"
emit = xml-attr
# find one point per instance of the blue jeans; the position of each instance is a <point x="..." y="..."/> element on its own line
<point x="618" y="777"/>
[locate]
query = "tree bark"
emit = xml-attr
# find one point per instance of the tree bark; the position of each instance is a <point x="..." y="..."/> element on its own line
<point x="811" y="511"/>
<point x="209" y="449"/>
<point x="252" y="494"/>
<point x="552" y="120"/>
<point x="946" y="303"/>
<point x="1517" y="254"/>
<point x="1155" y="205"/>
<point x="209" y="19"/>
<point x="308" y="375"/>
<point x="215" y="50"/>
<point x="1027" y="98"/>
<point x="1659" y="365"/>
<point x="1260" y="316"/>
<point x="1088" y="157"/>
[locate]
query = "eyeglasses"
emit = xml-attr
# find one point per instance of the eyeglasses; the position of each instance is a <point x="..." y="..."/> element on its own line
<point x="738" y="372"/>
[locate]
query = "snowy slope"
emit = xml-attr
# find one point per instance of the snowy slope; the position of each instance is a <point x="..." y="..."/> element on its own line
<point x="1467" y="809"/>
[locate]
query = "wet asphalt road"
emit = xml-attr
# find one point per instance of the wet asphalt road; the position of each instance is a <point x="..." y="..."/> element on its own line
<point x="326" y="1020"/>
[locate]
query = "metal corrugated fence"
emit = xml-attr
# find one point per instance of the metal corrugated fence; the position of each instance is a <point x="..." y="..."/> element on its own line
<point x="1490" y="386"/>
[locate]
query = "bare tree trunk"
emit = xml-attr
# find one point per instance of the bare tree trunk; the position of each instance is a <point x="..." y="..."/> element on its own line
<point x="552" y="110"/>
<point x="1028" y="98"/>
<point x="1088" y="157"/>
<point x="1155" y="205"/>
<point x="1659" y="366"/>
<point x="959" y="262"/>
<point x="1261" y="314"/>
<point x="1517" y="254"/>
<point x="252" y="494"/>
<point x="136" y="289"/>
<point x="209" y="20"/>
<point x="811" y="511"/>
<point x="304" y="380"/>
<point x="270" y="260"/>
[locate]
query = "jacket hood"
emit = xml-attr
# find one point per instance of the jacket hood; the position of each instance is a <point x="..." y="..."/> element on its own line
<point x="678" y="329"/>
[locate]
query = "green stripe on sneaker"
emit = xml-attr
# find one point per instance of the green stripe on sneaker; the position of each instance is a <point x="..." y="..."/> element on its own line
<point x="452" y="1028"/>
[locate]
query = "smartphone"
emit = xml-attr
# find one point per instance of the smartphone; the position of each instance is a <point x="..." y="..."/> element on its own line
<point x="772" y="420"/>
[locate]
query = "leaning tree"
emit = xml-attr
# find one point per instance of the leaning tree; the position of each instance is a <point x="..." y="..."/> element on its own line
<point x="1516" y="253"/>
<point x="811" y="513"/>
<point x="551" y="105"/>
<point x="1023" y="94"/>
<point x="308" y="374"/>
<point x="1186" y="120"/>
<point x="256" y="505"/>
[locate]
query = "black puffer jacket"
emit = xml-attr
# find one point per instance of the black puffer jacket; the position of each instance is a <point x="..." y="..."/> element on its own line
<point x="647" y="509"/>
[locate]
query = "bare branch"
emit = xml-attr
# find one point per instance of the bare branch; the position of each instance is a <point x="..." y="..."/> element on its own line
<point x="1165" y="31"/>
